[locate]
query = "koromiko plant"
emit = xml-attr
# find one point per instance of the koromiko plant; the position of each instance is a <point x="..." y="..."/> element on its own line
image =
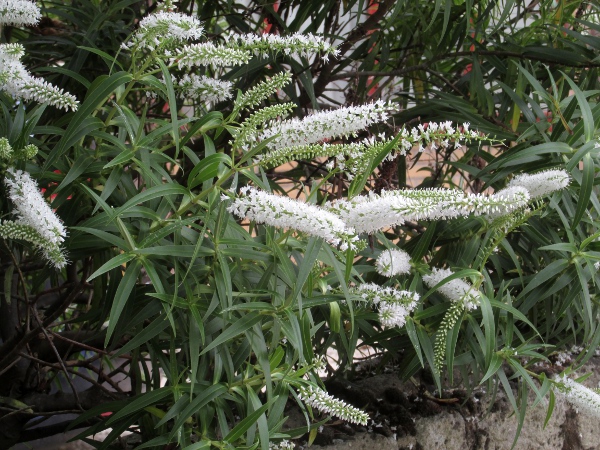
<point x="176" y="263"/>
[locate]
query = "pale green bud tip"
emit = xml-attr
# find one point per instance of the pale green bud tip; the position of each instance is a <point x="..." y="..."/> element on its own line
<point x="6" y="150"/>
<point x="30" y="151"/>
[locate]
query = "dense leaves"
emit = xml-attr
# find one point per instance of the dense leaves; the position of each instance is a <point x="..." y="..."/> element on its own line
<point x="216" y="311"/>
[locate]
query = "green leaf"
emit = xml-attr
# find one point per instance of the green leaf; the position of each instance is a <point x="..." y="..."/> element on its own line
<point x="154" y="192"/>
<point x="240" y="326"/>
<point x="584" y="107"/>
<point x="585" y="192"/>
<point x="112" y="263"/>
<point x="84" y="114"/>
<point x="199" y="402"/>
<point x="152" y="330"/>
<point x="250" y="420"/>
<point x="551" y="403"/>
<point x="121" y="296"/>
<point x="140" y="402"/>
<point x="490" y="328"/>
<point x="78" y="167"/>
<point x="493" y="367"/>
<point x="207" y="168"/>
<point x="414" y="339"/>
<point x="172" y="104"/>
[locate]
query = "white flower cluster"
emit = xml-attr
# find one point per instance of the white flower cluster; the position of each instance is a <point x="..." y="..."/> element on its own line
<point x="19" y="12"/>
<point x="16" y="81"/>
<point x="394" y="305"/>
<point x="164" y="29"/>
<point x="326" y="124"/>
<point x="34" y="212"/>
<point x="284" y="212"/>
<point x="367" y="214"/>
<point x="578" y="395"/>
<point x="455" y="290"/>
<point x="296" y="45"/>
<point x="542" y="183"/>
<point x="283" y="445"/>
<point x="327" y="404"/>
<point x="203" y="88"/>
<point x="209" y="54"/>
<point x="393" y="262"/>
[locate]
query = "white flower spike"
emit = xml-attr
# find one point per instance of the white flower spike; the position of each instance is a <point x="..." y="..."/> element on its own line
<point x="16" y="81"/>
<point x="327" y="404"/>
<point x="36" y="222"/>
<point x="578" y="395"/>
<point x="284" y="212"/>
<point x="542" y="183"/>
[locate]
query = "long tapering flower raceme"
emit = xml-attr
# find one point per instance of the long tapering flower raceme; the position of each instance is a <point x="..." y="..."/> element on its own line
<point x="284" y="212"/>
<point x="203" y="88"/>
<point x="209" y="54"/>
<point x="355" y="157"/>
<point x="367" y="214"/>
<point x="36" y="222"/>
<point x="542" y="183"/>
<point x="16" y="81"/>
<point x="438" y="135"/>
<point x="578" y="395"/>
<point x="455" y="290"/>
<point x="394" y="305"/>
<point x="327" y="404"/>
<point x="393" y="262"/>
<point x="295" y="45"/>
<point x="326" y="124"/>
<point x="19" y="13"/>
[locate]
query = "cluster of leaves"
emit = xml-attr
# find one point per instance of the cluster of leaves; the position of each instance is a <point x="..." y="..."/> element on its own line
<point x="216" y="325"/>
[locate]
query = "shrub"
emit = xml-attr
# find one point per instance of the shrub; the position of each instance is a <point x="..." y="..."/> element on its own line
<point x="147" y="232"/>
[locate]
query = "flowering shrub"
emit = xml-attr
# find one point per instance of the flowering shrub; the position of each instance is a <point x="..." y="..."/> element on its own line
<point x="168" y="255"/>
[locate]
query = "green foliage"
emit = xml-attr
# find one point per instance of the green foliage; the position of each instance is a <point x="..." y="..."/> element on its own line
<point x="217" y="322"/>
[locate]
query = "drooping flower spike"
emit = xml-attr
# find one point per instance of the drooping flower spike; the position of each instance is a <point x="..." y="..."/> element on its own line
<point x="36" y="222"/>
<point x="284" y="212"/>
<point x="296" y="44"/>
<point x="324" y="125"/>
<point x="367" y="214"/>
<point x="17" y="82"/>
<point x="542" y="183"/>
<point x="327" y="404"/>
<point x="578" y="395"/>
